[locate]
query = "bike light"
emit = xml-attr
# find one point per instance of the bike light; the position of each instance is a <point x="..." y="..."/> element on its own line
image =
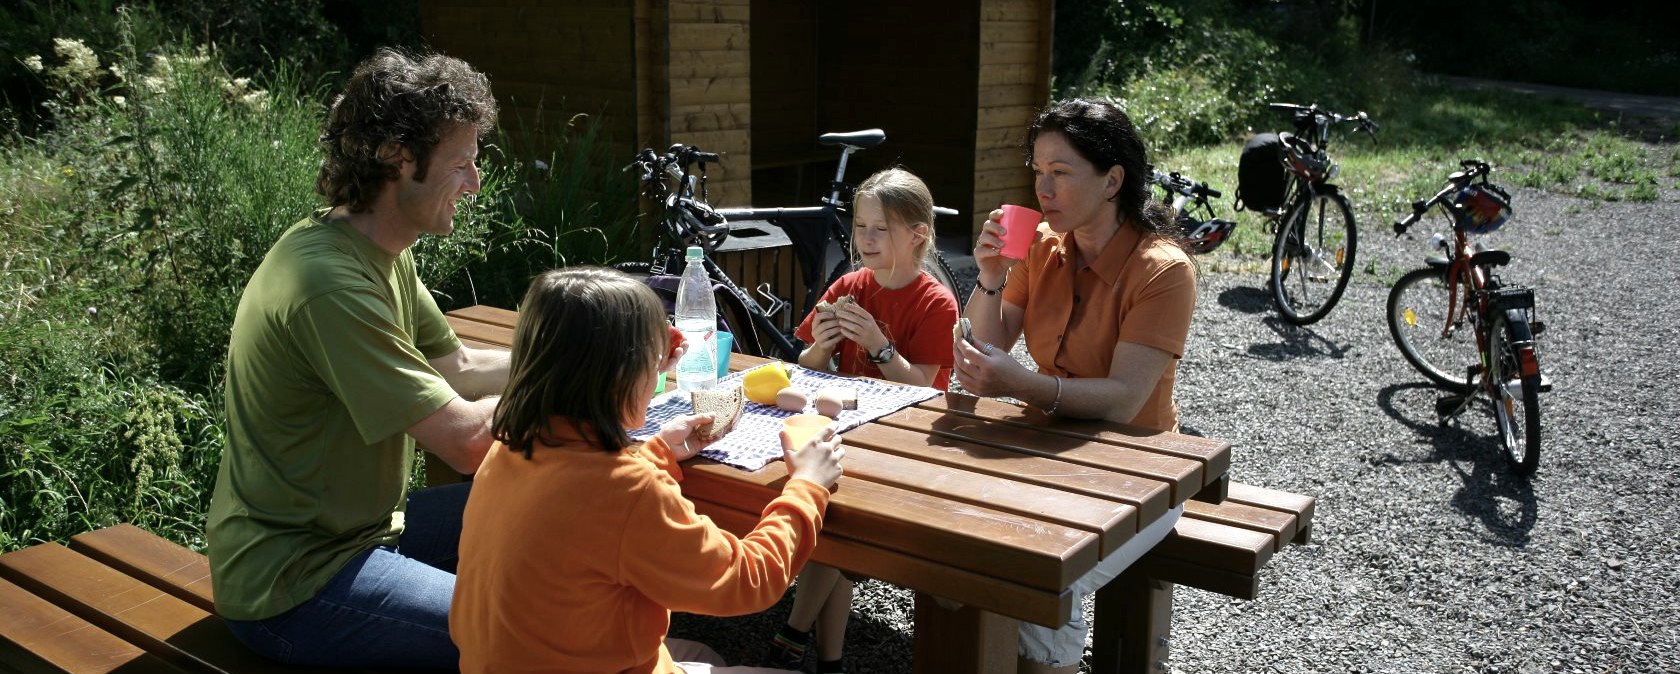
<point x="1527" y="364"/>
<point x="1335" y="170"/>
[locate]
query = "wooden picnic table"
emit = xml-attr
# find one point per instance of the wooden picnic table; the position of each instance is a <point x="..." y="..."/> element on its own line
<point x="996" y="507"/>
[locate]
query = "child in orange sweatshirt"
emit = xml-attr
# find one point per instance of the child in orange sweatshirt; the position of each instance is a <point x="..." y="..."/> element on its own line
<point x="576" y="543"/>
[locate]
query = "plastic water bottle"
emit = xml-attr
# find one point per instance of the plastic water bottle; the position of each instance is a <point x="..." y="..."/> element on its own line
<point x="697" y="321"/>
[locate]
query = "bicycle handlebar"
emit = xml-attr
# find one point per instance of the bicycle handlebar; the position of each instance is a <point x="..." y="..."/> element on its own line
<point x="1181" y="185"/>
<point x="1457" y="180"/>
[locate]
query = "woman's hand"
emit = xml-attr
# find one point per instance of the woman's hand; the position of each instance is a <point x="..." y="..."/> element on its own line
<point x="679" y="435"/>
<point x="817" y="461"/>
<point x="987" y="370"/>
<point x="988" y="251"/>
<point x="859" y="326"/>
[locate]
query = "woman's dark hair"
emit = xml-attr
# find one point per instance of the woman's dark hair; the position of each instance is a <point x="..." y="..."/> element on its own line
<point x="1102" y="134"/>
<point x="395" y="98"/>
<point x="587" y="341"/>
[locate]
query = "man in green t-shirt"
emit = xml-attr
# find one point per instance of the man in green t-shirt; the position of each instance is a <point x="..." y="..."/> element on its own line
<point x="339" y="362"/>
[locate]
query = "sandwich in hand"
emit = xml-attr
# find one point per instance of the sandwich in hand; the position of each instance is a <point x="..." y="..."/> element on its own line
<point x="725" y="404"/>
<point x="830" y="307"/>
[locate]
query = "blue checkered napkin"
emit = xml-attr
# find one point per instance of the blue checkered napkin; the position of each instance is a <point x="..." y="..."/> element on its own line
<point x="755" y="441"/>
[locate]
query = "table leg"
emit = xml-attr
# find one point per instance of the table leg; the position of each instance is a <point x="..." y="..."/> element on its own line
<point x="965" y="639"/>
<point x="1130" y="634"/>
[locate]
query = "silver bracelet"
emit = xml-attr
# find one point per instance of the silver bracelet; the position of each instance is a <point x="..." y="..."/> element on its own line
<point x="1058" y="404"/>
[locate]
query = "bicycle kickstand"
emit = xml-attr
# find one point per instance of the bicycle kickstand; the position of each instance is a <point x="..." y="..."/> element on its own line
<point x="1450" y="406"/>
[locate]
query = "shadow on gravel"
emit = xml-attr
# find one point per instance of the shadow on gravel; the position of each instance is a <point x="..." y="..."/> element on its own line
<point x="1246" y="300"/>
<point x="1297" y="341"/>
<point x="872" y="643"/>
<point x="1503" y="501"/>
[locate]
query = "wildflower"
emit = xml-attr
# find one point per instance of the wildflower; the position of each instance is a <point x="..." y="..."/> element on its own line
<point x="116" y="71"/>
<point x="155" y="84"/>
<point x="256" y="100"/>
<point x="236" y="87"/>
<point x="275" y="144"/>
<point x="80" y="63"/>
<point x="34" y="64"/>
<point x="121" y="101"/>
<point x="67" y="172"/>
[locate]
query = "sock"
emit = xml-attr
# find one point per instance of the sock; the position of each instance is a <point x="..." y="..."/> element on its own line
<point x="830" y="666"/>
<point x="792" y="641"/>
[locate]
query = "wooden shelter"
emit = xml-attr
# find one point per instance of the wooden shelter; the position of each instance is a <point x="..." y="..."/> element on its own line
<point x="952" y="82"/>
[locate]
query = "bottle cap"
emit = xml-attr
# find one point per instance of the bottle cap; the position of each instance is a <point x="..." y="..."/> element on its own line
<point x="695" y="253"/>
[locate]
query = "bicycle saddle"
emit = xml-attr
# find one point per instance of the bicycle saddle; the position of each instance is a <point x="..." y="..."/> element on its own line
<point x="1490" y="257"/>
<point x="856" y="140"/>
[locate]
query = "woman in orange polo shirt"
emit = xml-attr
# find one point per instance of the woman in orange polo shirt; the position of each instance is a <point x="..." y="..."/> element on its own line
<point x="1104" y="299"/>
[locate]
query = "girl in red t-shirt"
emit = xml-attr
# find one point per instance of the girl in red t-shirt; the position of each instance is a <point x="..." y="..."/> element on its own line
<point x="898" y="327"/>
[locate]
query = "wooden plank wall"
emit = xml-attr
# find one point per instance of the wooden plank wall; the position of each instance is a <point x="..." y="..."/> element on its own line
<point x="1015" y="40"/>
<point x="710" y="84"/>
<point x="546" y="61"/>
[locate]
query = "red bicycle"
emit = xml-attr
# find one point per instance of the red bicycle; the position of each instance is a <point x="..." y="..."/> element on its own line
<point x="1465" y="329"/>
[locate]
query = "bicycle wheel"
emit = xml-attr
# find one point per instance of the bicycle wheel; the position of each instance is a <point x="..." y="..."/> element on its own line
<point x="1312" y="257"/>
<point x="1417" y="316"/>
<point x="1516" y="399"/>
<point x="936" y="266"/>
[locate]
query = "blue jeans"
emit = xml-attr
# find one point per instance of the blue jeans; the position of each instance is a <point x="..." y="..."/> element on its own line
<point x="389" y="607"/>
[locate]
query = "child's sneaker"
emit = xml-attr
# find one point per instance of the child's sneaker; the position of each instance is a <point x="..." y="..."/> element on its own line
<point x="787" y="649"/>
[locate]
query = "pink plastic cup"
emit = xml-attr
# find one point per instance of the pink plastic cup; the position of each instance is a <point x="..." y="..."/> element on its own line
<point x="1020" y="227"/>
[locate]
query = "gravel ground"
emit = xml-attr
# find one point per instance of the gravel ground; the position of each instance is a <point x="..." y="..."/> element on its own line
<point x="1428" y="554"/>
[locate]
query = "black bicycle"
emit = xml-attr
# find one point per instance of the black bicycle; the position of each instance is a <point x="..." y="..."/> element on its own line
<point x="676" y="179"/>
<point x="1462" y="326"/>
<point x="1203" y="229"/>
<point x="1313" y="253"/>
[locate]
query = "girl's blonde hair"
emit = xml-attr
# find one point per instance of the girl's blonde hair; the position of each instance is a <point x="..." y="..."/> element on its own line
<point x="905" y="199"/>
<point x="587" y="339"/>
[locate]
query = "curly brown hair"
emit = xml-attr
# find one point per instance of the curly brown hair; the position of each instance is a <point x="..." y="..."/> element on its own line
<point x="394" y="98"/>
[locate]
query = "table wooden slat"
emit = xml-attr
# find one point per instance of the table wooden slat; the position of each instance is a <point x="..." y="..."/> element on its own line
<point x="1113" y="522"/>
<point x="162" y="564"/>
<point x="481" y="332"/>
<point x="1003" y="597"/>
<point x="1183" y="477"/>
<point x="38" y="636"/>
<point x="1214" y="455"/>
<point x="973" y="538"/>
<point x="1151" y="498"/>
<point x="136" y="612"/>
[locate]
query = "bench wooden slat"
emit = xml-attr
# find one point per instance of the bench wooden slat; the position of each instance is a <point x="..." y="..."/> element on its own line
<point x="155" y="560"/>
<point x="1275" y="523"/>
<point x="982" y="591"/>
<point x="975" y="538"/>
<point x="1214" y="455"/>
<point x="37" y="636"/>
<point x="1216" y="546"/>
<point x="1299" y="505"/>
<point x="1182" y="476"/>
<point x="139" y="613"/>
<point x="1113" y="522"/>
<point x="485" y="314"/>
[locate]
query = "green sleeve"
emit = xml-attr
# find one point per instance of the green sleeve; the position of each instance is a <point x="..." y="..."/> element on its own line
<point x="369" y="362"/>
<point x="432" y="333"/>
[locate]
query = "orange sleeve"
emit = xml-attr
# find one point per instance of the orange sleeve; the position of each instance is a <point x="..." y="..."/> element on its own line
<point x="684" y="562"/>
<point x="1160" y="316"/>
<point x="659" y="454"/>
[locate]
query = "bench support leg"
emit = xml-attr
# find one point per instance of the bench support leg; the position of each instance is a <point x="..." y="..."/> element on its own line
<point x="1132" y="624"/>
<point x="964" y="639"/>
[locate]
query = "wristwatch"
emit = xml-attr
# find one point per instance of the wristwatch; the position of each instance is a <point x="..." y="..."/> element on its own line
<point x="884" y="357"/>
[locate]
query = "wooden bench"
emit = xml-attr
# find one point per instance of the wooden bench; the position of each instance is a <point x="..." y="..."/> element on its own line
<point x="117" y="599"/>
<point x="1218" y="547"/>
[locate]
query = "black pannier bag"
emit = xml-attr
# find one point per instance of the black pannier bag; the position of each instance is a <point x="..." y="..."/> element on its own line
<point x="1261" y="178"/>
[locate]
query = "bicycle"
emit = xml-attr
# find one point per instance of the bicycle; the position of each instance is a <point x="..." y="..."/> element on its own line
<point x="676" y="179"/>
<point x="1203" y="230"/>
<point x="1465" y="329"/>
<point x="1316" y="236"/>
